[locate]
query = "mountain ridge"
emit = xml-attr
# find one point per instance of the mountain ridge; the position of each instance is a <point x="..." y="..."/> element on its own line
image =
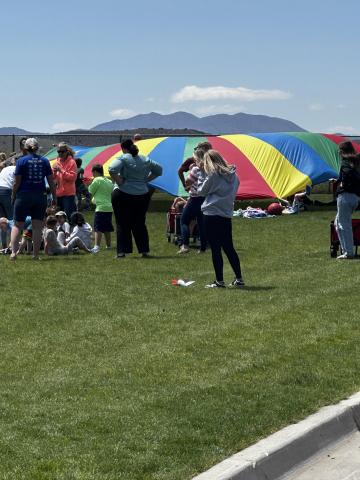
<point x="217" y="124"/>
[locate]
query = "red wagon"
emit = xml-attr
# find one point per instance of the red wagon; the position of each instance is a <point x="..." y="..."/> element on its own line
<point x="334" y="239"/>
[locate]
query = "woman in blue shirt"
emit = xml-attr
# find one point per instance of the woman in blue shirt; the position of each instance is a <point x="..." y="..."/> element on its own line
<point x="131" y="174"/>
<point x="29" y="195"/>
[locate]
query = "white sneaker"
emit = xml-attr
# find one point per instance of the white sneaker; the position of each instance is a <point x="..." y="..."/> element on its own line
<point x="344" y="256"/>
<point x="96" y="249"/>
<point x="183" y="249"/>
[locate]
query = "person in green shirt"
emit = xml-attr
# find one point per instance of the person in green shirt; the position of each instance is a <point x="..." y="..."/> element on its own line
<point x="101" y="189"/>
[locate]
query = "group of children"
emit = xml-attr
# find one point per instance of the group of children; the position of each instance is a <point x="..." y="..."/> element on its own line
<point x="62" y="235"/>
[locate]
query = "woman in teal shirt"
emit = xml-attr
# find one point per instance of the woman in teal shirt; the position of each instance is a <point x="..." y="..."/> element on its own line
<point x="131" y="174"/>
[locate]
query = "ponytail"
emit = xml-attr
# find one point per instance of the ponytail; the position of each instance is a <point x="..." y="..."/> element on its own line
<point x="130" y="147"/>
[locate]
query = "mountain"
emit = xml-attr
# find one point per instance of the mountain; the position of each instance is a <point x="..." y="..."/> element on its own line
<point x="13" y="131"/>
<point x="214" y="124"/>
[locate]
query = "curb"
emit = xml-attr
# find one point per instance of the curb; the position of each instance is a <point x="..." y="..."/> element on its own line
<point x="276" y="455"/>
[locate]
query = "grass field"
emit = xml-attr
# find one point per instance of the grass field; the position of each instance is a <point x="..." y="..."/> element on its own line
<point x="108" y="372"/>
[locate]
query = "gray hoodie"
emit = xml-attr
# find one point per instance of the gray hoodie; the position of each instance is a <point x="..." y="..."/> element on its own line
<point x="219" y="192"/>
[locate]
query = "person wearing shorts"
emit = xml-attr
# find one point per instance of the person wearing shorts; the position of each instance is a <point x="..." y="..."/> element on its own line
<point x="101" y="189"/>
<point x="29" y="195"/>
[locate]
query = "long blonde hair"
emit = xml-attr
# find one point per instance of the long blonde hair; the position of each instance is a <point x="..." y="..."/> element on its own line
<point x="213" y="162"/>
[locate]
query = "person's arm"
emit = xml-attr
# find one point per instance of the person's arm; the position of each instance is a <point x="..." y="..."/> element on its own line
<point x="182" y="169"/>
<point x="16" y="185"/>
<point x="94" y="185"/>
<point x="156" y="170"/>
<point x="52" y="186"/>
<point x="69" y="173"/>
<point x="207" y="186"/>
<point x="115" y="170"/>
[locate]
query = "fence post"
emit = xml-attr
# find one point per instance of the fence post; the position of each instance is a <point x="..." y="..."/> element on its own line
<point x="13" y="143"/>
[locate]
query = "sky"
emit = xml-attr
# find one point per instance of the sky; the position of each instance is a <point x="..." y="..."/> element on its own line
<point x="75" y="64"/>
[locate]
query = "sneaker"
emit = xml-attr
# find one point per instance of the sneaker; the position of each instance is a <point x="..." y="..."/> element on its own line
<point x="146" y="255"/>
<point x="95" y="249"/>
<point x="183" y="249"/>
<point x="119" y="255"/>
<point x="108" y="247"/>
<point x="201" y="251"/>
<point x="215" y="284"/>
<point x="237" y="283"/>
<point x="345" y="256"/>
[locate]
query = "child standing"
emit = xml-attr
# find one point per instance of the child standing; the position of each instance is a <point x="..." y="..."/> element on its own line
<point x="81" y="188"/>
<point x="219" y="189"/>
<point x="52" y="244"/>
<point x="101" y="189"/>
<point x="81" y="229"/>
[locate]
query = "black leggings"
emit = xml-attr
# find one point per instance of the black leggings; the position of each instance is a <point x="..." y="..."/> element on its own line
<point x="219" y="234"/>
<point x="130" y="214"/>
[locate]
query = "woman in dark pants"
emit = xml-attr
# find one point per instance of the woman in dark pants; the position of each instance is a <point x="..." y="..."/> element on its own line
<point x="219" y="189"/>
<point x="29" y="195"/>
<point x="131" y="174"/>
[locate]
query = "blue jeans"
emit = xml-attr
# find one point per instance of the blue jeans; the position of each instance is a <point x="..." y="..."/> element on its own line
<point x="191" y="211"/>
<point x="346" y="205"/>
<point x="67" y="204"/>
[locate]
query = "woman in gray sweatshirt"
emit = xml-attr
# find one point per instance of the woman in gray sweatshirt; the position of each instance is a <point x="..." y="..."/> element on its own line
<point x="219" y="189"/>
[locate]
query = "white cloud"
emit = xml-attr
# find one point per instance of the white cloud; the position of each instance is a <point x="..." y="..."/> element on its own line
<point x="341" y="106"/>
<point x="150" y="99"/>
<point x="214" y="109"/>
<point x="346" y="129"/>
<point x="194" y="93"/>
<point x="64" y="126"/>
<point x="122" y="113"/>
<point x="316" y="107"/>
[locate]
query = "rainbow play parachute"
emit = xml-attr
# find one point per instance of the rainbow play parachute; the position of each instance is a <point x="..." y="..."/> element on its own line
<point x="268" y="164"/>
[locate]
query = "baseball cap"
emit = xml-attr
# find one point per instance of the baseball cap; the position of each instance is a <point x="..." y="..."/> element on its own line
<point x="60" y="214"/>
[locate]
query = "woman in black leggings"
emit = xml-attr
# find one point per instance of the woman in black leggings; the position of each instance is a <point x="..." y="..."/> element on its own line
<point x="219" y="189"/>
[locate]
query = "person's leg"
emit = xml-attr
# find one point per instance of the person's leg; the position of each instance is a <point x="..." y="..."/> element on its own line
<point x="122" y="211"/>
<point x="200" y="223"/>
<point x="138" y="226"/>
<point x="6" y="208"/>
<point x="188" y="214"/>
<point x="69" y="205"/>
<point x="61" y="238"/>
<point x="37" y="228"/>
<point x="214" y="235"/>
<point x="228" y="247"/>
<point x="15" y="236"/>
<point x="346" y="204"/>
<point x="76" y="242"/>
<point x="98" y="236"/>
<point x="107" y="236"/>
<point x="60" y="203"/>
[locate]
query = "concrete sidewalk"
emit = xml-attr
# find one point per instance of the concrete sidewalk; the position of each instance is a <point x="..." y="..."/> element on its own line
<point x="340" y="462"/>
<point x="295" y="447"/>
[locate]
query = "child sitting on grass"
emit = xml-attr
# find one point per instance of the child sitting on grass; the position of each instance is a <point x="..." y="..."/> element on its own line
<point x="52" y="244"/>
<point x="62" y="227"/>
<point x="5" y="229"/>
<point x="81" y="229"/>
<point x="101" y="189"/>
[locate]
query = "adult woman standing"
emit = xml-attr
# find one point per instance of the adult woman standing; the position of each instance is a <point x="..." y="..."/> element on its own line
<point x="348" y="193"/>
<point x="65" y="174"/>
<point x="219" y="189"/>
<point x="29" y="195"/>
<point x="131" y="174"/>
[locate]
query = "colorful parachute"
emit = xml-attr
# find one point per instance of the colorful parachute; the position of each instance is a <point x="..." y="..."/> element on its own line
<point x="268" y="164"/>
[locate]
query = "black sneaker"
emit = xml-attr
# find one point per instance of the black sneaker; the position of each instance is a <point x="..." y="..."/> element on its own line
<point x="237" y="283"/>
<point x="215" y="284"/>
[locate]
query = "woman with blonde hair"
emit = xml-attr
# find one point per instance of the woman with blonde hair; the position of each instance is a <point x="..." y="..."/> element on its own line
<point x="219" y="189"/>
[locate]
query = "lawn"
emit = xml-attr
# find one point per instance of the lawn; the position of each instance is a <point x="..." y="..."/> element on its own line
<point x="109" y="372"/>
